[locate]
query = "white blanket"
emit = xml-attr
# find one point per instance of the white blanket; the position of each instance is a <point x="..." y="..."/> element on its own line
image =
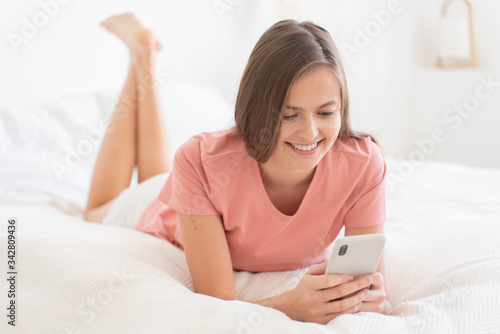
<point x="442" y="254"/>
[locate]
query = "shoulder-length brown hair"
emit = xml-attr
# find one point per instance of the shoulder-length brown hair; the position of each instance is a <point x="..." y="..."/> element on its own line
<point x="283" y="53"/>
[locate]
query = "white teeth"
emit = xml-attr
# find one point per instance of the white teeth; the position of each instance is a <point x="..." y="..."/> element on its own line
<point x="305" y="148"/>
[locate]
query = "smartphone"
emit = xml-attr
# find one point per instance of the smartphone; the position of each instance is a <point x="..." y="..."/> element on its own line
<point x="356" y="255"/>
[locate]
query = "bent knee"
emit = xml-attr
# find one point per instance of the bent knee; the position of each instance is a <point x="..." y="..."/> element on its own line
<point x="98" y="213"/>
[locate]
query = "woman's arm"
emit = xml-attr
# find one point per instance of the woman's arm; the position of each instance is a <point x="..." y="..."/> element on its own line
<point x="376" y="301"/>
<point x="209" y="262"/>
<point x="207" y="255"/>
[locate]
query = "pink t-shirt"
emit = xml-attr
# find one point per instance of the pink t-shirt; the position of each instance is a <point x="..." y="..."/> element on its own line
<point x="213" y="175"/>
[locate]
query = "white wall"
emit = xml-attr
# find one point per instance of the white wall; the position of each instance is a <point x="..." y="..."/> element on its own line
<point x="71" y="54"/>
<point x="457" y="102"/>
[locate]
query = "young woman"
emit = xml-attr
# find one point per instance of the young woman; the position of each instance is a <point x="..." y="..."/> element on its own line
<point x="269" y="194"/>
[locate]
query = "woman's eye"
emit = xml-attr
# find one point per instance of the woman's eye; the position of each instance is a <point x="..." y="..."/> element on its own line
<point x="291" y="117"/>
<point x="330" y="113"/>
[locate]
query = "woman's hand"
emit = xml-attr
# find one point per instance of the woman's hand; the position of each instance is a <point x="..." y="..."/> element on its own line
<point x="375" y="300"/>
<point x="320" y="298"/>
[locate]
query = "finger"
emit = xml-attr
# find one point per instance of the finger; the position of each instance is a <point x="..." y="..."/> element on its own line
<point x="377" y="280"/>
<point x="351" y="310"/>
<point x="318" y="269"/>
<point x="375" y="295"/>
<point x="355" y="308"/>
<point x="348" y="289"/>
<point x="342" y="305"/>
<point x="322" y="282"/>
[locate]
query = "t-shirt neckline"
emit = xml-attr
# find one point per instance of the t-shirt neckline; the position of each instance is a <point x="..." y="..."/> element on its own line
<point x="266" y="201"/>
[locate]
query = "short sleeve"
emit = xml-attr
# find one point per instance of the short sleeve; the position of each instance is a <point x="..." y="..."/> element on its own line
<point x="187" y="187"/>
<point x="368" y="208"/>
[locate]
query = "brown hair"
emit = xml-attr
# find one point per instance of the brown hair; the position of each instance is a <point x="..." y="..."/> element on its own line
<point x="283" y="53"/>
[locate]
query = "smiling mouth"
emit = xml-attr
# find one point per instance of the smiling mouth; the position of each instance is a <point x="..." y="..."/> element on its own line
<point x="305" y="147"/>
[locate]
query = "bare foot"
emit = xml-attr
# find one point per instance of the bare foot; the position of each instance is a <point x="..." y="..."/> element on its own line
<point x="132" y="32"/>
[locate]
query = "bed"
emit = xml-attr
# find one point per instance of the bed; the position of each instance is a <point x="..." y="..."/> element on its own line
<point x="442" y="251"/>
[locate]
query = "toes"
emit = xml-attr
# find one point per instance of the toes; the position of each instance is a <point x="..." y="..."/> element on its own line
<point x="132" y="32"/>
<point x="158" y="46"/>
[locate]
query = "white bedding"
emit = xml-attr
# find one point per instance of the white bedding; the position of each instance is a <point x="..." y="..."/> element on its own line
<point x="442" y="258"/>
<point x="443" y="270"/>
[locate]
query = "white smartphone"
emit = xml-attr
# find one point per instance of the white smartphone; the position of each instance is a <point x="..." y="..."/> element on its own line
<point x="356" y="255"/>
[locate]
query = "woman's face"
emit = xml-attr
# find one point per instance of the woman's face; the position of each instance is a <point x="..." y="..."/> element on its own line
<point x="311" y="122"/>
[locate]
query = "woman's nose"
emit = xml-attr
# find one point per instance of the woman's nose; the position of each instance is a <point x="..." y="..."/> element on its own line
<point x="309" y="129"/>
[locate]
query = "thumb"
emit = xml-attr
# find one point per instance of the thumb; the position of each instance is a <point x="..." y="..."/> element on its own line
<point x="318" y="269"/>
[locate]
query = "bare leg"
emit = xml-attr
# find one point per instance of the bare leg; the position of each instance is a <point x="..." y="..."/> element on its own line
<point x="115" y="161"/>
<point x="135" y="134"/>
<point x="153" y="155"/>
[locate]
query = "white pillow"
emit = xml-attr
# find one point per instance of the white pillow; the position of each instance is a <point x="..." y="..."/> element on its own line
<point x="49" y="151"/>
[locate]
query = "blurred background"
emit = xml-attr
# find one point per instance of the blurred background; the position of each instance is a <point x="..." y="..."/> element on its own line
<point x="55" y="49"/>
